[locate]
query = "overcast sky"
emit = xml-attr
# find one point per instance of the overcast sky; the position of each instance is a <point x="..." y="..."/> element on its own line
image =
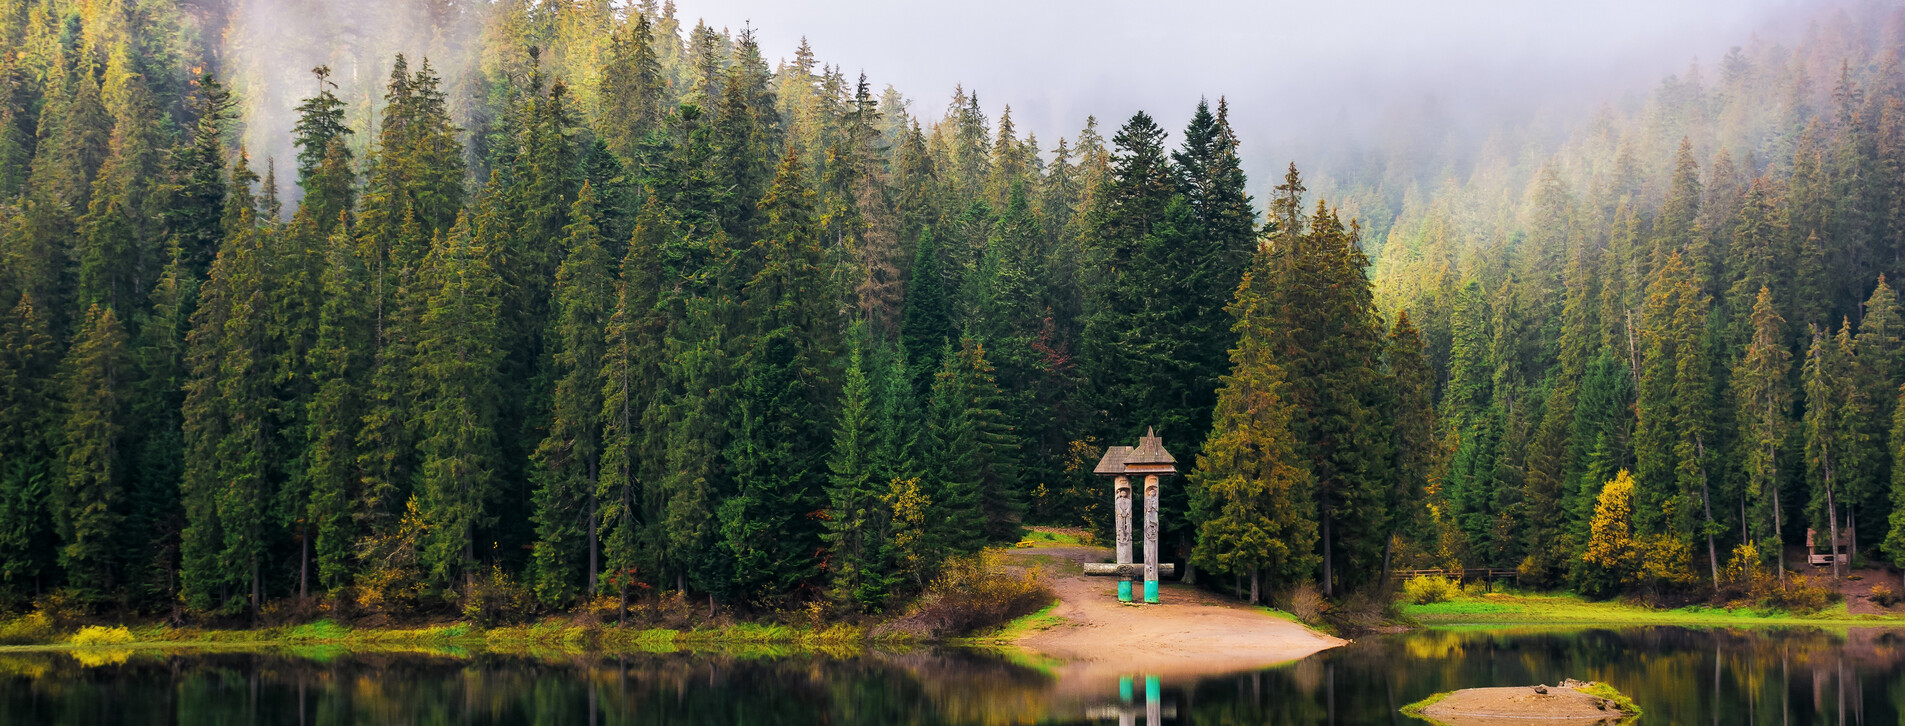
<point x="1291" y="70"/>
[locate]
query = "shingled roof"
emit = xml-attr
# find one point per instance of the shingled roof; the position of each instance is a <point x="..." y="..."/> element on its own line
<point x="1150" y="450"/>
<point x="1113" y="462"/>
<point x="1149" y="454"/>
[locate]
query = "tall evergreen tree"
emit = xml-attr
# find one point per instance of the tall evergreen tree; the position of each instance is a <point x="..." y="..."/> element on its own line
<point x="569" y="458"/>
<point x="90" y="498"/>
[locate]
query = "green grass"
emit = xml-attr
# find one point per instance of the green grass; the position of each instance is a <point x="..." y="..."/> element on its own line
<point x="1415" y="709"/>
<point x="1019" y="627"/>
<point x="1044" y="537"/>
<point x="1613" y="695"/>
<point x="1531" y="609"/>
<point x="460" y="639"/>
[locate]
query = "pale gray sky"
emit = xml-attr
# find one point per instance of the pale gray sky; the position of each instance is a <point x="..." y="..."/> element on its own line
<point x="1291" y="70"/>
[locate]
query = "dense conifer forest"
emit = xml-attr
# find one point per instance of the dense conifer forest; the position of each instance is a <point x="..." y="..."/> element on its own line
<point x="596" y="304"/>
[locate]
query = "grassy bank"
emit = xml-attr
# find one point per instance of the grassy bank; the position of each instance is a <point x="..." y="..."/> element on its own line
<point x="455" y="638"/>
<point x="1502" y="609"/>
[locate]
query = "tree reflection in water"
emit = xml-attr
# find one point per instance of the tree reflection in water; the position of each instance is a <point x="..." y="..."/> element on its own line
<point x="1680" y="676"/>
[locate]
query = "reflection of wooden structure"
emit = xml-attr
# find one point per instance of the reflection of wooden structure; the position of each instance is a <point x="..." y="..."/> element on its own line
<point x="1149" y="459"/>
<point x="1818" y="560"/>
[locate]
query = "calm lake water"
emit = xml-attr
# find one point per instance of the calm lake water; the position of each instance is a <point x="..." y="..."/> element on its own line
<point x="1679" y="676"/>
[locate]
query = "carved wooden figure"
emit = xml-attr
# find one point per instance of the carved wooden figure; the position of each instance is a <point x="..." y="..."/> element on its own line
<point x="1120" y="462"/>
<point x="1122" y="547"/>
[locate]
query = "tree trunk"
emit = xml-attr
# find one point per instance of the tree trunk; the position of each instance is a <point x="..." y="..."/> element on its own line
<point x="1254" y="590"/>
<point x="1832" y="521"/>
<point x="254" y="589"/>
<point x="1328" y="576"/>
<point x="1779" y="532"/>
<point x="304" y="565"/>
<point x="592" y="560"/>
<point x="621" y="613"/>
<point x="1706" y="502"/>
<point x="1851" y="533"/>
<point x="1190" y="570"/>
<point x="1388" y="548"/>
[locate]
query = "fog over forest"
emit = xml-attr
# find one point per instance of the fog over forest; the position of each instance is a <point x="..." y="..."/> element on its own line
<point x="1320" y="84"/>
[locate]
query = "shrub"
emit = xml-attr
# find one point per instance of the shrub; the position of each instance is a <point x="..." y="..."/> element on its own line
<point x="1883" y="596"/>
<point x="29" y="629"/>
<point x="1800" y="596"/>
<point x="1426" y="589"/>
<point x="1306" y="603"/>
<point x="497" y="598"/>
<point x="102" y="635"/>
<point x="971" y="594"/>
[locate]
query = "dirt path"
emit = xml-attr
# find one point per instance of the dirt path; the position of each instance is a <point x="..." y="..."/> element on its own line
<point x="1189" y="634"/>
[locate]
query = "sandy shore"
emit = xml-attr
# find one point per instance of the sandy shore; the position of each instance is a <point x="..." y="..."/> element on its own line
<point x="1189" y="634"/>
<point x="1519" y="705"/>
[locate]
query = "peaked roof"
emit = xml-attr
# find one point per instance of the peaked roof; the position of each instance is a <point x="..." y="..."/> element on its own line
<point x="1150" y="450"/>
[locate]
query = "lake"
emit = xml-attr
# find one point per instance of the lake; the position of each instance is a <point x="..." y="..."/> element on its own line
<point x="1680" y="676"/>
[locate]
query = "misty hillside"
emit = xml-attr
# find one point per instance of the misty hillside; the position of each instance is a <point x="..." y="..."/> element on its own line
<point x="495" y="309"/>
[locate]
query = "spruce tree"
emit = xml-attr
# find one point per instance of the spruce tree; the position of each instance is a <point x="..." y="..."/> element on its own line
<point x="631" y="498"/>
<point x="28" y="424"/>
<point x="1259" y="514"/>
<point x="1763" y="399"/>
<point x="458" y="359"/>
<point x="855" y="551"/>
<point x="89" y="502"/>
<point x="568" y="460"/>
<point x="340" y="363"/>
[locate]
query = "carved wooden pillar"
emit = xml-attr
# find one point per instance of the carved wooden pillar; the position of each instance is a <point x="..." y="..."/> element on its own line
<point x="1121" y="504"/>
<point x="1151" y="539"/>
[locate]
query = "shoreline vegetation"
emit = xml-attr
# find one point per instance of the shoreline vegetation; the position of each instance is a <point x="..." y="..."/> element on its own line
<point x="576" y="633"/>
<point x="1502" y="609"/>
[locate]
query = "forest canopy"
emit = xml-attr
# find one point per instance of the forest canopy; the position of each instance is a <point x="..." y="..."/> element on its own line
<point x="593" y="305"/>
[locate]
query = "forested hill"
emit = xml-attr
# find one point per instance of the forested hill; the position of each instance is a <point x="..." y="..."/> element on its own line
<point x="1700" y="289"/>
<point x="593" y="306"/>
<point x="617" y="307"/>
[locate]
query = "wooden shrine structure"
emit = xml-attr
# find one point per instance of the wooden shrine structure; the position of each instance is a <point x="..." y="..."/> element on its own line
<point x="1120" y="463"/>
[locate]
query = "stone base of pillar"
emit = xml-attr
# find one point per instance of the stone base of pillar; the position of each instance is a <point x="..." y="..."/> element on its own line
<point x="1151" y="592"/>
<point x="1124" y="591"/>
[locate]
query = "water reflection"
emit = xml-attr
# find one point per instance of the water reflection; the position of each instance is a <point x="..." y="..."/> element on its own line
<point x="1680" y="676"/>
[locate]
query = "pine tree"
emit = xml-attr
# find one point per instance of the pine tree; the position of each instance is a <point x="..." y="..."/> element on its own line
<point x="320" y="122"/>
<point x="569" y="458"/>
<point x="458" y="361"/>
<point x="1763" y="398"/>
<point x="28" y="360"/>
<point x="632" y="87"/>
<point x="1253" y="488"/>
<point x="194" y="196"/>
<point x="969" y="457"/>
<point x="1413" y="446"/>
<point x="340" y="363"/>
<point x="1326" y="336"/>
<point x="1824" y="383"/>
<point x="855" y="551"/>
<point x="927" y="326"/>
<point x="89" y="501"/>
<point x="776" y="456"/>
<point x="628" y="489"/>
<point x="231" y="451"/>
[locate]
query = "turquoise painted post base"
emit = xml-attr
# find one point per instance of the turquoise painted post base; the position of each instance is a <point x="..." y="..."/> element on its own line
<point x="1151" y="592"/>
<point x="1124" y="591"/>
<point x="1124" y="689"/>
<point x="1152" y="689"/>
